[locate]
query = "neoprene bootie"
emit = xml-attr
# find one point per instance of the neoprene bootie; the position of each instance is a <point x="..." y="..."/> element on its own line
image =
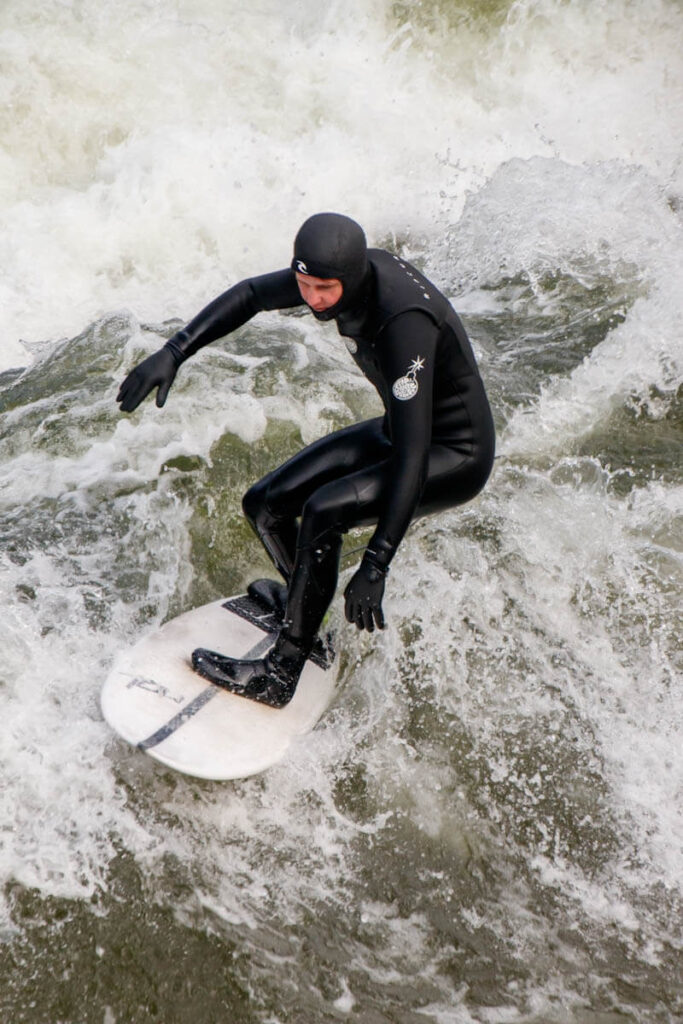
<point x="271" y="680"/>
<point x="270" y="595"/>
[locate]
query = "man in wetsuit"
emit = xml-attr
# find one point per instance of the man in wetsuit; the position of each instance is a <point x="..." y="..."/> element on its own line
<point x="433" y="448"/>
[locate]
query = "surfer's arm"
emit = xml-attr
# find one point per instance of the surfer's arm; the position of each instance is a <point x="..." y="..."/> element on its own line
<point x="225" y="314"/>
<point x="233" y="308"/>
<point x="407" y="349"/>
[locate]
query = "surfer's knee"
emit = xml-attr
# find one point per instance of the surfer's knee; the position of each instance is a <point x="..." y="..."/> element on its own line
<point x="254" y="502"/>
<point x="322" y="517"/>
<point x="260" y="505"/>
<point x="268" y="501"/>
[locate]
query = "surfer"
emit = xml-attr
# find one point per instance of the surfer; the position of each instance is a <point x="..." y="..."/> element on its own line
<point x="431" y="450"/>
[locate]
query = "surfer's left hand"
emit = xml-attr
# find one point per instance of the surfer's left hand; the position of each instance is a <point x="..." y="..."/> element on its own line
<point x="364" y="596"/>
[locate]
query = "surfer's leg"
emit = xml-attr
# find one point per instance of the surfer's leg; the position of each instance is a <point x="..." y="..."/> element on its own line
<point x="458" y="470"/>
<point x="312" y="587"/>
<point x="353" y="500"/>
<point x="277" y="532"/>
<point x="272" y="506"/>
<point x="334" y="508"/>
<point x="272" y="680"/>
<point x="453" y="478"/>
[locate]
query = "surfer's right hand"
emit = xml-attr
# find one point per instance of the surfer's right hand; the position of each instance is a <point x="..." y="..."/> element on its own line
<point x="157" y="371"/>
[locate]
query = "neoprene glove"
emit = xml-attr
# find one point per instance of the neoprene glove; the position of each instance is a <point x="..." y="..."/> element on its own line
<point x="364" y="595"/>
<point x="156" y="371"/>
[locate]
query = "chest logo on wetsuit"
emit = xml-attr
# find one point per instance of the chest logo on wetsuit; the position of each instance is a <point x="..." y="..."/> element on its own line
<point x="406" y="387"/>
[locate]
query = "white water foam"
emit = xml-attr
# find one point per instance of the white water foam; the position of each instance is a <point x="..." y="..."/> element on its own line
<point x="154" y="154"/>
<point x="158" y="154"/>
<point x="623" y="227"/>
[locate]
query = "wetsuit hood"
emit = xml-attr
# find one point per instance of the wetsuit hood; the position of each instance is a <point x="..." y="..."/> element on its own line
<point x="331" y="245"/>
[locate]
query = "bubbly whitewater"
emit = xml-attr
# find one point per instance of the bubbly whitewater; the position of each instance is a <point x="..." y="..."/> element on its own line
<point x="487" y="826"/>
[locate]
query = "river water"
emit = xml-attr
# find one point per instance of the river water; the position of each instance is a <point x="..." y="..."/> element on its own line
<point x="487" y="826"/>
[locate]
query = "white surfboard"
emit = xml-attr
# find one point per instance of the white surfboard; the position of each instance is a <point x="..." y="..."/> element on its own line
<point x="154" y="700"/>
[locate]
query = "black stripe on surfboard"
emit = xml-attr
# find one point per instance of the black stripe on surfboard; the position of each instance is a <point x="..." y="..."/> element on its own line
<point x="191" y="709"/>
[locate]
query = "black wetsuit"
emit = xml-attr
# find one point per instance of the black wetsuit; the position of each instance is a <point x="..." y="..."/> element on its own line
<point x="433" y="448"/>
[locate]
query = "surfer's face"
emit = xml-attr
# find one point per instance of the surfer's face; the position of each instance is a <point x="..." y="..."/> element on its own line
<point x="320" y="293"/>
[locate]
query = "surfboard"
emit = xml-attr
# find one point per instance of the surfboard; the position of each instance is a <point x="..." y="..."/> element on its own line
<point x="154" y="700"/>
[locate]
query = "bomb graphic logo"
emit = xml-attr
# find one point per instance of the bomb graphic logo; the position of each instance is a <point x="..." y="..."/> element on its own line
<point x="406" y="387"/>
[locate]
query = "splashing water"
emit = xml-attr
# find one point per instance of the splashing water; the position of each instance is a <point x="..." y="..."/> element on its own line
<point x="486" y="826"/>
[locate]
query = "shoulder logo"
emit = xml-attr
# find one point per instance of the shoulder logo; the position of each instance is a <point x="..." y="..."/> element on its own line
<point x="301" y="267"/>
<point x="407" y="387"/>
